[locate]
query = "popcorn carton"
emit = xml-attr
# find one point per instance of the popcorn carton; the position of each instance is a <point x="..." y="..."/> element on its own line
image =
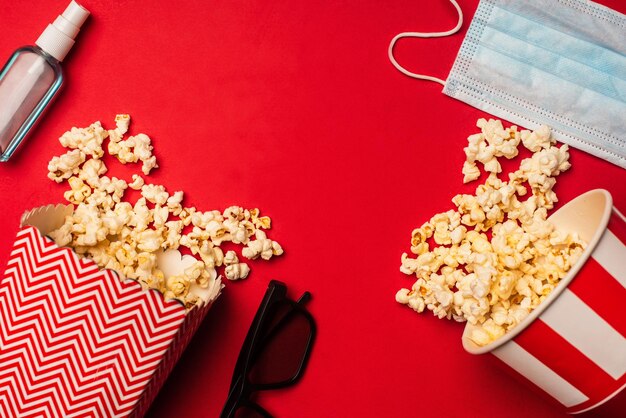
<point x="75" y="340"/>
<point x="573" y="346"/>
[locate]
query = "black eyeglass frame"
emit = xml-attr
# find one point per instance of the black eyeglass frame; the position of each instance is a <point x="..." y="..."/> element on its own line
<point x="241" y="388"/>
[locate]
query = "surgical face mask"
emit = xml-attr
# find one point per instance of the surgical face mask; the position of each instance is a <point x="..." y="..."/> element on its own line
<point x="561" y="63"/>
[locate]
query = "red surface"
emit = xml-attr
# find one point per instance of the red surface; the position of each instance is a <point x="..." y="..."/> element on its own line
<point x="293" y="107"/>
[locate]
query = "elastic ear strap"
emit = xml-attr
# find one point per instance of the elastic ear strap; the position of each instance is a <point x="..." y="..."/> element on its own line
<point x="424" y="35"/>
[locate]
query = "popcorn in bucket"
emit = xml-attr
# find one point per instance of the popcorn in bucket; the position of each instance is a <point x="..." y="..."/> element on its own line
<point x="573" y="345"/>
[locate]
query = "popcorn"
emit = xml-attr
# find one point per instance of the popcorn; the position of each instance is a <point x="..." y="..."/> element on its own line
<point x="216" y="231"/>
<point x="126" y="238"/>
<point x="88" y="226"/>
<point x="493" y="282"/>
<point x="535" y="141"/>
<point x="149" y="240"/>
<point x="88" y="140"/>
<point x="177" y="286"/>
<point x="100" y="198"/>
<point x="142" y="216"/>
<point x="63" y="167"/>
<point x="122" y="149"/>
<point x="137" y="182"/>
<point x="237" y="271"/>
<point x="135" y="148"/>
<point x="160" y="216"/>
<point x="146" y="263"/>
<point x="114" y="187"/>
<point x="185" y="215"/>
<point x="79" y="191"/>
<point x="403" y="296"/>
<point x="237" y="230"/>
<point x="121" y="127"/>
<point x="493" y="141"/>
<point x="234" y="269"/>
<point x="63" y="235"/>
<point x="470" y="172"/>
<point x="230" y="258"/>
<point x="211" y="255"/>
<point x="174" y="203"/>
<point x="143" y="147"/>
<point x="173" y="234"/>
<point x="208" y="275"/>
<point x="148" y="165"/>
<point x="91" y="171"/>
<point x="191" y="243"/>
<point x="261" y="246"/>
<point x="260" y="222"/>
<point x="155" y="194"/>
<point x="202" y="219"/>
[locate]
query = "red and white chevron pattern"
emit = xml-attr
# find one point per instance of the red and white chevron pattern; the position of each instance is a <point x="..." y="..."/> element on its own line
<point x="75" y="341"/>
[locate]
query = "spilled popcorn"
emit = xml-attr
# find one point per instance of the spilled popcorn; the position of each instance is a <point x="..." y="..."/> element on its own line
<point x="494" y="282"/>
<point x="126" y="238"/>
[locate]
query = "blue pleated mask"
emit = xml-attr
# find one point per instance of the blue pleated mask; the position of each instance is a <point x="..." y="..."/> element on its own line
<point x="561" y="63"/>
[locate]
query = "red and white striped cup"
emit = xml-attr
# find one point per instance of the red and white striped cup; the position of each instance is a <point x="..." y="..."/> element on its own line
<point x="573" y="346"/>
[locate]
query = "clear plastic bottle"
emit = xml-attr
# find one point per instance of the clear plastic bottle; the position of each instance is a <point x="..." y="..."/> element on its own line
<point x="32" y="76"/>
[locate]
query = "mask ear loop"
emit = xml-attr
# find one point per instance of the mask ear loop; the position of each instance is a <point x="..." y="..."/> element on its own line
<point x="423" y="35"/>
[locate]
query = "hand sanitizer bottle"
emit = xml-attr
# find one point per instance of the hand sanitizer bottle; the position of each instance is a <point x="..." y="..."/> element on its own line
<point x="32" y="76"/>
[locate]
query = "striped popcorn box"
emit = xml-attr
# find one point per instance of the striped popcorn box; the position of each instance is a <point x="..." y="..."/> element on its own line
<point x="573" y="346"/>
<point x="75" y="340"/>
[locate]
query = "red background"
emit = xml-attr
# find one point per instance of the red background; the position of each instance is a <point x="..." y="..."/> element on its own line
<point x="293" y="107"/>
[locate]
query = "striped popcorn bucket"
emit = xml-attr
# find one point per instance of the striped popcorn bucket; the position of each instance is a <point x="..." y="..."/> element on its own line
<point x="75" y="340"/>
<point x="573" y="346"/>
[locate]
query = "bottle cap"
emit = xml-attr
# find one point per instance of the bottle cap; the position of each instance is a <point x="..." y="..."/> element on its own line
<point x="58" y="38"/>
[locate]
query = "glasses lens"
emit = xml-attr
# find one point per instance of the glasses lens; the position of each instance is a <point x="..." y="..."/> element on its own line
<point x="283" y="346"/>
